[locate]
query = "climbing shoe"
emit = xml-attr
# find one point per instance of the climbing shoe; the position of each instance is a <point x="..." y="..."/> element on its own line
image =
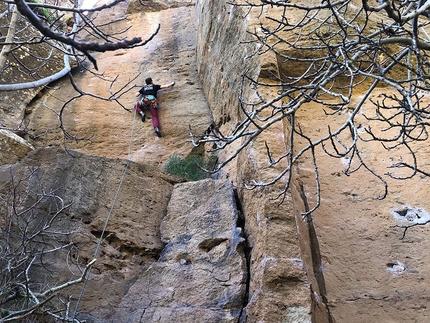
<point x="157" y="132"/>
<point x="143" y="117"/>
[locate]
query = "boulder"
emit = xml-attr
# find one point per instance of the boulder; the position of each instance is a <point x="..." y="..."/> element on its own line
<point x="12" y="147"/>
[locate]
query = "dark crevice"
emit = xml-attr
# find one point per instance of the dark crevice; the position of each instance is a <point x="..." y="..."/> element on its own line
<point x="317" y="268"/>
<point x="208" y="244"/>
<point x="247" y="251"/>
<point x="127" y="252"/>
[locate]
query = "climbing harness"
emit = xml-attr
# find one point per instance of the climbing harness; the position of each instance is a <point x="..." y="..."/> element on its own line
<point x="147" y="102"/>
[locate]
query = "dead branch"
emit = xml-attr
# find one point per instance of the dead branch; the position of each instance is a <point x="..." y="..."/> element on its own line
<point x="31" y="237"/>
<point x="328" y="51"/>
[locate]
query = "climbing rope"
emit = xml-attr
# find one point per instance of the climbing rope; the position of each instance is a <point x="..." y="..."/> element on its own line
<point x="86" y="278"/>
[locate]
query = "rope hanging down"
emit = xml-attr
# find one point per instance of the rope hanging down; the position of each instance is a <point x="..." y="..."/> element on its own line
<point x="107" y="220"/>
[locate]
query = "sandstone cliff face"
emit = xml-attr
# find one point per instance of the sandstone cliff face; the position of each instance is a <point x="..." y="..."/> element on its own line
<point x="177" y="250"/>
<point x="201" y="273"/>
<point x="169" y="253"/>
<point x="357" y="266"/>
<point x="279" y="288"/>
<point x="116" y="132"/>
<point x="89" y="183"/>
<point x="195" y="264"/>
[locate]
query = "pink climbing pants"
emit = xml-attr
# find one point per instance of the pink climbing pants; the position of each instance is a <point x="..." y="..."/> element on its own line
<point x="138" y="107"/>
<point x="154" y="117"/>
<point x="154" y="113"/>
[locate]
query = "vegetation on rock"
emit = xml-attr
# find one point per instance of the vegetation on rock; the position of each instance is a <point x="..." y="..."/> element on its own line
<point x="192" y="167"/>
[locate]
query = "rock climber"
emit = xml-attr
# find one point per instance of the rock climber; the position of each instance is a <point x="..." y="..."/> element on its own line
<point x="148" y="99"/>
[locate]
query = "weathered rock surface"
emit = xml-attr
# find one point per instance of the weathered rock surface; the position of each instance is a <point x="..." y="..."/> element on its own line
<point x="356" y="266"/>
<point x="12" y="147"/>
<point x="128" y="251"/>
<point x="279" y="288"/>
<point x="364" y="260"/>
<point x="131" y="241"/>
<point x="361" y="267"/>
<point x="116" y="132"/>
<point x="194" y="268"/>
<point x="201" y="273"/>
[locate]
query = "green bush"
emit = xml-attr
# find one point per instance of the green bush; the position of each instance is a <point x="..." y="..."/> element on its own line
<point x="189" y="167"/>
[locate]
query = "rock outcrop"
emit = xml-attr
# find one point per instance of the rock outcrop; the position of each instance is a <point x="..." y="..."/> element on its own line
<point x="131" y="239"/>
<point x="169" y="253"/>
<point x="279" y="287"/>
<point x="12" y="147"/>
<point x="201" y="273"/>
<point x="109" y="128"/>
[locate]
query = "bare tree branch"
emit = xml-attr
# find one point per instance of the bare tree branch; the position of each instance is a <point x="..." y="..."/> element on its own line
<point x="10" y="35"/>
<point x="328" y="52"/>
<point x="30" y="234"/>
<point x="84" y="47"/>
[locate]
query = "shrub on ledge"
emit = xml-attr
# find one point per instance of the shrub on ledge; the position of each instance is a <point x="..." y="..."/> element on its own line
<point x="190" y="167"/>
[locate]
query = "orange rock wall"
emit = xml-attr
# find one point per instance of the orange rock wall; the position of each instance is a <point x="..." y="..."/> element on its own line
<point x="279" y="287"/>
<point x="358" y="269"/>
